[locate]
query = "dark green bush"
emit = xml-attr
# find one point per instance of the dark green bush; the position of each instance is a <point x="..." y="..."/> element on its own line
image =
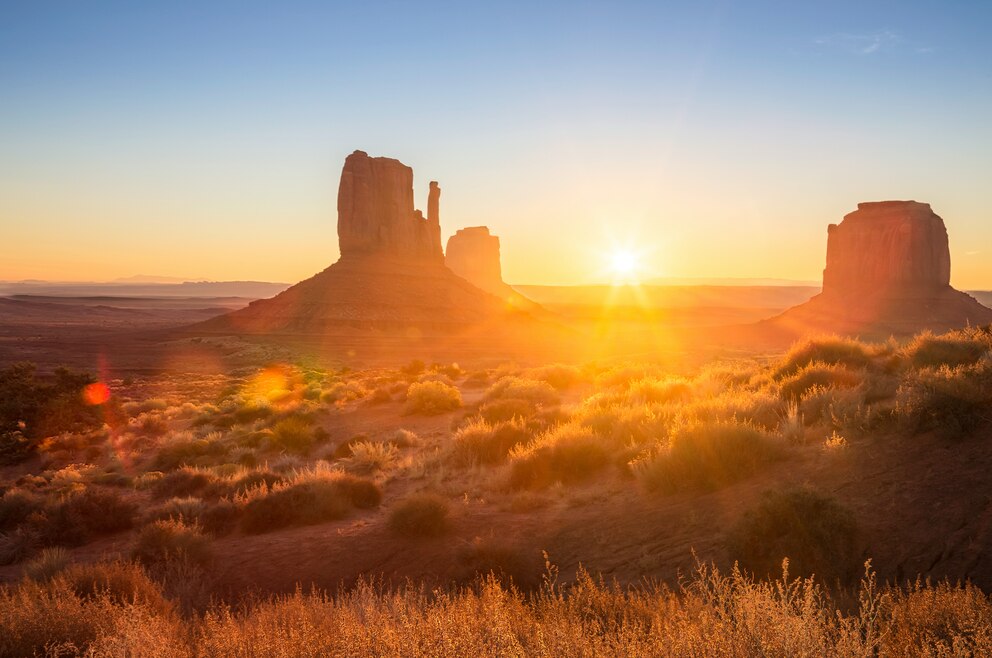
<point x="83" y="516"/>
<point x="16" y="506"/>
<point x="954" y="402"/>
<point x="310" y="501"/>
<point x="182" y="483"/>
<point x="817" y="534"/>
<point x="172" y="540"/>
<point x="420" y="515"/>
<point x="32" y="408"/>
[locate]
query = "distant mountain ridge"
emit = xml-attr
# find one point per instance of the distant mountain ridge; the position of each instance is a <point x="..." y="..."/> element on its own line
<point x="246" y="289"/>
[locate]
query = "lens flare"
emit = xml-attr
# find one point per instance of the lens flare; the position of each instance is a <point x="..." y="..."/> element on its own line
<point x="96" y="393"/>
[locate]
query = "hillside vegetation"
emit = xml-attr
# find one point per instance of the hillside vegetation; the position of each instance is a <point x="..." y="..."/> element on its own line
<point x="163" y="470"/>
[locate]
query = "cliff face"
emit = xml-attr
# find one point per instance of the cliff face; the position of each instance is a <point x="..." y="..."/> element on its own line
<point x="473" y="254"/>
<point x="897" y="247"/>
<point x="888" y="270"/>
<point x="376" y="216"/>
<point x="391" y="276"/>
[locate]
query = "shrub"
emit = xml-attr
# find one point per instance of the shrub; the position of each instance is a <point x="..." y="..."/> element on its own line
<point x="659" y="391"/>
<point x="504" y="410"/>
<point x="476" y="379"/>
<point x="188" y="510"/>
<point x="221" y="517"/>
<point x="172" y="540"/>
<point x="15" y="447"/>
<point x="151" y="425"/>
<point x="363" y="493"/>
<point x="46" y="566"/>
<point x="829" y="350"/>
<point x="795" y="386"/>
<point x="251" y="411"/>
<point x="515" y="388"/>
<point x="560" y="376"/>
<point x="707" y="456"/>
<point x="432" y="398"/>
<point x="487" y="556"/>
<point x="371" y="457"/>
<point x="251" y="480"/>
<point x="293" y="434"/>
<point x="19" y="544"/>
<point x="952" y="349"/>
<point x="182" y="483"/>
<point x="313" y="497"/>
<point x="122" y="583"/>
<point x="414" y="368"/>
<point x="420" y="515"/>
<point x="84" y="515"/>
<point x="816" y="534"/>
<point x="343" y="392"/>
<point x="951" y="401"/>
<point x="184" y="449"/>
<point x="481" y="442"/>
<point x="32" y="407"/>
<point x="380" y="395"/>
<point x="16" y="506"/>
<point x="567" y="453"/>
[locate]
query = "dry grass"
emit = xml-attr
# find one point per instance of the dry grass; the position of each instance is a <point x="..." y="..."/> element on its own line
<point x="711" y="614"/>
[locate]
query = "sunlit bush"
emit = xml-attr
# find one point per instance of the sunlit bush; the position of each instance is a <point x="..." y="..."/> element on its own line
<point x="951" y="401"/>
<point x="529" y="390"/>
<point x="313" y="496"/>
<point x="560" y="376"/>
<point x="371" y="457"/>
<point x="707" y="456"/>
<point x="796" y="385"/>
<point x="952" y="349"/>
<point x="569" y="454"/>
<point x="293" y="434"/>
<point x="430" y="398"/>
<point x="482" y="442"/>
<point x="828" y="350"/>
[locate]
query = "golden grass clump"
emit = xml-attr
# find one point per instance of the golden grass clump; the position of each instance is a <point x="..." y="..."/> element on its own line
<point x="482" y="442"/>
<point x="707" y="456"/>
<point x="432" y="397"/>
<point x="568" y="453"/>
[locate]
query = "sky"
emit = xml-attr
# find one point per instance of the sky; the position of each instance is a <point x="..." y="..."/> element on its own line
<point x="205" y="139"/>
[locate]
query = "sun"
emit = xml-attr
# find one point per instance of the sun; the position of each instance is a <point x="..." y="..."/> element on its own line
<point x="624" y="265"/>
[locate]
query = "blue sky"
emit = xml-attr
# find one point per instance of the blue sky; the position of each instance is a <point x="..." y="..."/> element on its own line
<point x="205" y="139"/>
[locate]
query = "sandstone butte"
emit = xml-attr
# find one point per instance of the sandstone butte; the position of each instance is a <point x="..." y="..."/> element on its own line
<point x="888" y="269"/>
<point x="390" y="275"/>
